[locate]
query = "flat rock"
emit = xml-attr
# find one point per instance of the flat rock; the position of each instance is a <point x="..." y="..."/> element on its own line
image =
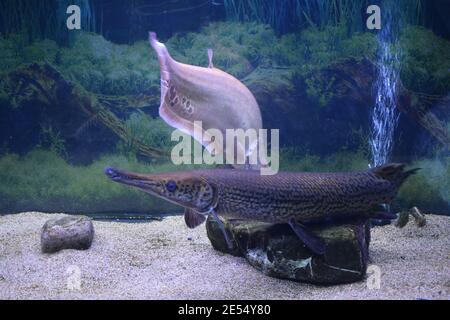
<point x="275" y="250"/>
<point x="72" y="232"/>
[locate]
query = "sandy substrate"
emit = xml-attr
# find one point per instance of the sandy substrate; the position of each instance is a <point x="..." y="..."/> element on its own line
<point x="165" y="260"/>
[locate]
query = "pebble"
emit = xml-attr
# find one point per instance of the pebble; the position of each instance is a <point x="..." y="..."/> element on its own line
<point x="70" y="232"/>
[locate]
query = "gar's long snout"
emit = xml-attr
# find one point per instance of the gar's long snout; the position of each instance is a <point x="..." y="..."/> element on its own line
<point x="141" y="181"/>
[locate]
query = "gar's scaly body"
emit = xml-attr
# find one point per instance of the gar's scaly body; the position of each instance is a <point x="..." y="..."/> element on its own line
<point x="286" y="197"/>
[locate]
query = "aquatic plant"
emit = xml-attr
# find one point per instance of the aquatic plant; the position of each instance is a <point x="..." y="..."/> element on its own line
<point x="98" y="65"/>
<point x="37" y="19"/>
<point x="238" y="48"/>
<point x="141" y="127"/>
<point x="42" y="180"/>
<point x="103" y="67"/>
<point x="290" y="15"/>
<point x="425" y="61"/>
<point x="298" y="160"/>
<point x="25" y="16"/>
<point x="429" y="189"/>
<point x="52" y="140"/>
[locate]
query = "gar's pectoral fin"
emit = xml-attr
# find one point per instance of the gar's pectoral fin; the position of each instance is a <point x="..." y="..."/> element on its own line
<point x="382" y="212"/>
<point x="192" y="218"/>
<point x="222" y="229"/>
<point x="313" y="242"/>
<point x="382" y="215"/>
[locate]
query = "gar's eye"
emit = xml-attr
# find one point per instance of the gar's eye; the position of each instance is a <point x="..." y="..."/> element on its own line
<point x="171" y="186"/>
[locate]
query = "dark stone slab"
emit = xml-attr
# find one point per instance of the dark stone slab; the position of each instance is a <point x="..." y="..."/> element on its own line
<point x="276" y="251"/>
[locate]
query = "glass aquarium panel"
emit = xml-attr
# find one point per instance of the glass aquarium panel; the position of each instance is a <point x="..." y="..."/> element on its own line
<point x="79" y="93"/>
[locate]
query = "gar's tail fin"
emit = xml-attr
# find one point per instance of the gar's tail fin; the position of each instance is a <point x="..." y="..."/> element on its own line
<point x="394" y="172"/>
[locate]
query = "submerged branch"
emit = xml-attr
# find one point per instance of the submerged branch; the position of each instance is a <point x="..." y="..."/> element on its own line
<point x="43" y="82"/>
<point x="134" y="101"/>
<point x="354" y="78"/>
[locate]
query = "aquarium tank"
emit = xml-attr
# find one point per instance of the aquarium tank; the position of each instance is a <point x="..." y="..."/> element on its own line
<point x="94" y="92"/>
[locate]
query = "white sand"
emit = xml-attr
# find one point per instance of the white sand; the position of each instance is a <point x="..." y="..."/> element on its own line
<point x="156" y="260"/>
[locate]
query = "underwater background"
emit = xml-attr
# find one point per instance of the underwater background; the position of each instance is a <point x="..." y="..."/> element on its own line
<point x="344" y="97"/>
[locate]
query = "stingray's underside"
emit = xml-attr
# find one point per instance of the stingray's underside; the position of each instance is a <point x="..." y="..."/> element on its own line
<point x="192" y="94"/>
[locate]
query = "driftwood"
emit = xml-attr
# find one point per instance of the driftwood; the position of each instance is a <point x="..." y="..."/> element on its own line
<point x="354" y="78"/>
<point x="347" y="78"/>
<point x="279" y="93"/>
<point x="403" y="218"/>
<point x="43" y="82"/>
<point x="417" y="106"/>
<point x="133" y="101"/>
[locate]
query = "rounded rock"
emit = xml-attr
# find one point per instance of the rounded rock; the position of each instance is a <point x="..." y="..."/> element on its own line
<point x="70" y="232"/>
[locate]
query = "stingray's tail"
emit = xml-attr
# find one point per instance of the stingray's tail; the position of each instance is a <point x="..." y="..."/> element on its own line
<point x="164" y="59"/>
<point x="394" y="172"/>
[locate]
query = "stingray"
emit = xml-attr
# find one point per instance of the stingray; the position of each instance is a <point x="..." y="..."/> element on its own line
<point x="217" y="99"/>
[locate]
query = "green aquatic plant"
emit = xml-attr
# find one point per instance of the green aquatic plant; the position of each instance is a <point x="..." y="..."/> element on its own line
<point x="425" y="60"/>
<point x="299" y="160"/>
<point x="37" y="19"/>
<point x="286" y="15"/>
<point x="317" y="92"/>
<point x="241" y="47"/>
<point x="98" y="65"/>
<point x="238" y="48"/>
<point x="323" y="47"/>
<point x="289" y="15"/>
<point x="106" y="68"/>
<point x="42" y="180"/>
<point x="347" y="161"/>
<point x="314" y="50"/>
<point x="141" y="127"/>
<point x="103" y="67"/>
<point x="26" y="16"/>
<point x="429" y="189"/>
<point x="52" y="140"/>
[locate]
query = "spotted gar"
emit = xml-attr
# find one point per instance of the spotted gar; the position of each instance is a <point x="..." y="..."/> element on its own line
<point x="287" y="197"/>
